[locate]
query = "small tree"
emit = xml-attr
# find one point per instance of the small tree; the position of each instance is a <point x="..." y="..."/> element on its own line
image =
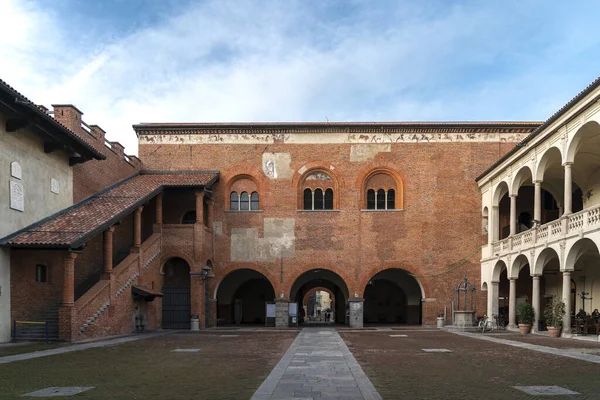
<point x="554" y="313"/>
<point x="525" y="314"/>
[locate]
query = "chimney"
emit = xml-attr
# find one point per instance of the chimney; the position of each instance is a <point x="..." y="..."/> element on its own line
<point x="69" y="116"/>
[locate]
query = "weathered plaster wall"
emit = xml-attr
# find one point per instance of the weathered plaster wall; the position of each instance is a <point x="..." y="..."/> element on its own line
<point x="37" y="170"/>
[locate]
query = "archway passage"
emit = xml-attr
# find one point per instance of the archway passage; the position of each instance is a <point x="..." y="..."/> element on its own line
<point x="176" y="295"/>
<point x="393" y="296"/>
<point x="325" y="280"/>
<point x="241" y="298"/>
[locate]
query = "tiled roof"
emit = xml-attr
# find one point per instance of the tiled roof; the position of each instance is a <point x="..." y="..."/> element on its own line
<point x="51" y="122"/>
<point x="591" y="87"/>
<point x="73" y="226"/>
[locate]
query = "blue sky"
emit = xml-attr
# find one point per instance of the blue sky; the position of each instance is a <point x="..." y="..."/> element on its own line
<point x="129" y="61"/>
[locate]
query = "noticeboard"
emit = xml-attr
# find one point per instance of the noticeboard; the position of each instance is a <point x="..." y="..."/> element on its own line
<point x="271" y="310"/>
<point x="293" y="309"/>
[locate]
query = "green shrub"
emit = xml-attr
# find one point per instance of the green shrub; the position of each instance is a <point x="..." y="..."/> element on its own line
<point x="525" y="313"/>
<point x="554" y="312"/>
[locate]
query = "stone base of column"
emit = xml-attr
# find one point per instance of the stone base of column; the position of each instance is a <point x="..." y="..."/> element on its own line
<point x="356" y="313"/>
<point x="66" y="320"/>
<point x="282" y="314"/>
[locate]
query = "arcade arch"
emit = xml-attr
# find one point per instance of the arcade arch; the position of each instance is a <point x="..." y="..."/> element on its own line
<point x="310" y="280"/>
<point x="393" y="296"/>
<point x="241" y="297"/>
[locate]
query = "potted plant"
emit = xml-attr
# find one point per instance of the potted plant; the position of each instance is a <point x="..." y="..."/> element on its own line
<point x="525" y="317"/>
<point x="553" y="314"/>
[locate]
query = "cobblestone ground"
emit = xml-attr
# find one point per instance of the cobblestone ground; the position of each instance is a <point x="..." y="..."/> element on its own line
<point x="228" y="365"/>
<point x="474" y="369"/>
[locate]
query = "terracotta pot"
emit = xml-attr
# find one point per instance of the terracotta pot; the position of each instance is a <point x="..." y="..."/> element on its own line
<point x="554" y="332"/>
<point x="524" y="328"/>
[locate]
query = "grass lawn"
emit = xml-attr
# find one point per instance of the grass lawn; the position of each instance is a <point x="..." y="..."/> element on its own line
<point x="230" y="367"/>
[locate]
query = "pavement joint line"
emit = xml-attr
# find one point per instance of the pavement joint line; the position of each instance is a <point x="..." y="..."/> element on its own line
<point x="80" y="347"/>
<point x="535" y="347"/>
<point x="317" y="363"/>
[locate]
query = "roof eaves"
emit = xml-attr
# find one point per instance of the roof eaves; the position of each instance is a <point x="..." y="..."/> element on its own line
<point x="51" y="121"/>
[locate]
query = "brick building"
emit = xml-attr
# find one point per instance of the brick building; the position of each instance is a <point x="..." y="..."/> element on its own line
<point x="215" y="220"/>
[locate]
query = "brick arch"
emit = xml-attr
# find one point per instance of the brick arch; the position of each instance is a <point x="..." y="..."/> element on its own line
<point x="407" y="268"/>
<point x="166" y="257"/>
<point x="289" y="282"/>
<point x="317" y="166"/>
<point x="367" y="173"/>
<point x="316" y="289"/>
<point x="231" y="269"/>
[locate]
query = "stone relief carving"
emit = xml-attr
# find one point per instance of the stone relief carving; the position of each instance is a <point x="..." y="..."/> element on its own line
<point x="15" y="170"/>
<point x="54" y="186"/>
<point x="17" y="196"/>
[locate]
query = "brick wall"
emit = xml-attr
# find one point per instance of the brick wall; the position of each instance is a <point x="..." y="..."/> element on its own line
<point x="95" y="175"/>
<point x="437" y="237"/>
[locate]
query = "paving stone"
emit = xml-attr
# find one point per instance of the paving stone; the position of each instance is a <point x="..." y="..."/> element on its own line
<point x="545" y="390"/>
<point x="317" y="365"/>
<point x="437" y="350"/>
<point x="59" y="391"/>
<point x="398" y="335"/>
<point x="185" y="350"/>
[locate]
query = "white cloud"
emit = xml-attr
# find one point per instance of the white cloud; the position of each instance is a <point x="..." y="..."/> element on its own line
<point x="233" y="61"/>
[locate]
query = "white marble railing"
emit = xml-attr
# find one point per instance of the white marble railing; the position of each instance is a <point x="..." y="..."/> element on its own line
<point x="581" y="221"/>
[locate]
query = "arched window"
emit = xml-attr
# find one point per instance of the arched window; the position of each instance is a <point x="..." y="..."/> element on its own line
<point x="318" y="189"/>
<point x="381" y="199"/>
<point x="244" y="202"/>
<point x="318" y="201"/>
<point x="382" y="190"/>
<point x="244" y="194"/>
<point x="329" y="199"/>
<point x="254" y="201"/>
<point x="391" y="199"/>
<point x="234" y="201"/>
<point x="41" y="273"/>
<point x="189" y="217"/>
<point x="308" y="199"/>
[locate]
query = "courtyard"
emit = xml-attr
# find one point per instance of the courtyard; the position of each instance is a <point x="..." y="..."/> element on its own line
<point x="412" y="363"/>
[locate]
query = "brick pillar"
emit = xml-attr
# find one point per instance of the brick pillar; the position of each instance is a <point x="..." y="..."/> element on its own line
<point x="108" y="251"/>
<point x="200" y="207"/>
<point x="211" y="214"/>
<point x="159" y="208"/>
<point x="356" y="312"/>
<point x="137" y="228"/>
<point x="66" y="314"/>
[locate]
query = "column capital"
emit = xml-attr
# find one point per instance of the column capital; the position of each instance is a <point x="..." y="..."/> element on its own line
<point x="566" y="273"/>
<point x="538" y="182"/>
<point x="568" y="164"/>
<point x="535" y="277"/>
<point x="71" y="255"/>
<point x="199" y="193"/>
<point x="513" y="195"/>
<point x="110" y="229"/>
<point x="139" y="209"/>
<point x="512" y="279"/>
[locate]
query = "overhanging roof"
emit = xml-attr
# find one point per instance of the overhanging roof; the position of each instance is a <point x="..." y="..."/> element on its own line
<point x="72" y="227"/>
<point x="34" y="115"/>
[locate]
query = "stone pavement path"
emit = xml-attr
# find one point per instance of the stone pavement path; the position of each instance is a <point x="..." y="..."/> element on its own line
<point x="318" y="365"/>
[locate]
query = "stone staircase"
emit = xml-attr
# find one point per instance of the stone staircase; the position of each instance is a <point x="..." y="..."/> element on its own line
<point x="90" y="321"/>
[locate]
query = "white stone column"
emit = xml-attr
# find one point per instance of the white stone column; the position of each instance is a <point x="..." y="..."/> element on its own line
<point x="513" y="214"/>
<point x="568" y="190"/>
<point x="537" y="202"/>
<point x="535" y="301"/>
<point x="493" y="299"/>
<point x="494" y="228"/>
<point x="566" y="294"/>
<point x="512" y="304"/>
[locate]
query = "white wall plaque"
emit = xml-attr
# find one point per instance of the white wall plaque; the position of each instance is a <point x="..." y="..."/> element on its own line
<point x="54" y="187"/>
<point x="15" y="170"/>
<point x="17" y="196"/>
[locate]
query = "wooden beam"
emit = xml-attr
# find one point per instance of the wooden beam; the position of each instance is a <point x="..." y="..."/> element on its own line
<point x="50" y="147"/>
<point x="14" y="124"/>
<point x="76" y="160"/>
